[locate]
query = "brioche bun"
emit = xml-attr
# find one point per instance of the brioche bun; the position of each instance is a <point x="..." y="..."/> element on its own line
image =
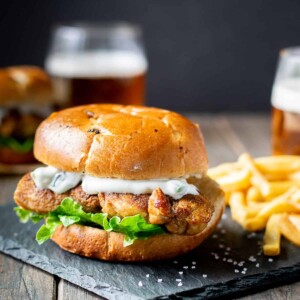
<point x="116" y="141"/>
<point x="24" y="84"/>
<point x="101" y="244"/>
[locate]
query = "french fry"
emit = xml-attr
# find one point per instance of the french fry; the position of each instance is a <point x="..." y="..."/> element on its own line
<point x="238" y="180"/>
<point x="222" y="170"/>
<point x="258" y="180"/>
<point x="238" y="207"/>
<point x="278" y="164"/>
<point x="254" y="195"/>
<point x="264" y="193"/>
<point x="295" y="219"/>
<point x="289" y="230"/>
<point x="272" y="236"/>
<point x="281" y="204"/>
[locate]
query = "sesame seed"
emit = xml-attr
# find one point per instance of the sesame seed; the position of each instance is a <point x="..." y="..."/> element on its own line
<point x="204" y="275"/>
<point x="159" y="280"/>
<point x="140" y="283"/>
<point x="179" y="284"/>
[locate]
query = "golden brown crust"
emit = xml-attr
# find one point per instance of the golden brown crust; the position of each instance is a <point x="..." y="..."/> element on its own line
<point x="24" y="84"/>
<point x="97" y="243"/>
<point x="129" y="142"/>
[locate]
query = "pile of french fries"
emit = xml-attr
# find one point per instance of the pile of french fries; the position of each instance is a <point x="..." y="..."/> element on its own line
<point x="264" y="193"/>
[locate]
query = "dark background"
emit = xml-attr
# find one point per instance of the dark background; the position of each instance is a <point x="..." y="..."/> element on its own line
<point x="205" y="55"/>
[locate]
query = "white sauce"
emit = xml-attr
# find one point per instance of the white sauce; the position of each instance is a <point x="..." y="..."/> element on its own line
<point x="59" y="182"/>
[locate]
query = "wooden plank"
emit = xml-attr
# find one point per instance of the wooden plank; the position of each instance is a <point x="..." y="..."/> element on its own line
<point x="22" y="281"/>
<point x="253" y="131"/>
<point x="69" y="291"/>
<point x="291" y="292"/>
<point x="217" y="144"/>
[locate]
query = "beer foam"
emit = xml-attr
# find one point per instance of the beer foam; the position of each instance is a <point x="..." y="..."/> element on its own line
<point x="286" y="95"/>
<point x="91" y="64"/>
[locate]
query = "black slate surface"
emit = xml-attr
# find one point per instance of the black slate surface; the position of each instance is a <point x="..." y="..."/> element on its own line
<point x="230" y="261"/>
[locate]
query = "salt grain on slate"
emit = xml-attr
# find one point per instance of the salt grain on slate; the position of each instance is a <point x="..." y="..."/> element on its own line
<point x="204" y="275"/>
<point x="193" y="262"/>
<point x="257" y="265"/>
<point x="147" y="275"/>
<point x="221" y="246"/>
<point x="193" y="267"/>
<point x="226" y="253"/>
<point x="215" y="236"/>
<point x="236" y="271"/>
<point x="235" y="262"/>
<point x="229" y="260"/>
<point x="243" y="272"/>
<point x="178" y="279"/>
<point x="159" y="280"/>
<point x="252" y="259"/>
<point x="185" y="267"/>
<point x="180" y="273"/>
<point x="179" y="284"/>
<point x="140" y="283"/>
<point x="175" y="261"/>
<point x="270" y="259"/>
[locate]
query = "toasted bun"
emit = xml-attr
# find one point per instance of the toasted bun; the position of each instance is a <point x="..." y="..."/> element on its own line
<point x="100" y="244"/>
<point x="24" y="84"/>
<point x="129" y="142"/>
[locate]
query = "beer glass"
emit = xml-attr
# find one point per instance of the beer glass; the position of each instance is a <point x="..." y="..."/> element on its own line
<point x="286" y="103"/>
<point x="97" y="63"/>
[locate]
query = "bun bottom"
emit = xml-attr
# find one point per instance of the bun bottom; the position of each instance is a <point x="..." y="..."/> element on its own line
<point x="100" y="244"/>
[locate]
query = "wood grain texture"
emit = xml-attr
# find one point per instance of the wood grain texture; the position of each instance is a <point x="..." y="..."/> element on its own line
<point x="69" y="291"/>
<point x="22" y="281"/>
<point x="226" y="137"/>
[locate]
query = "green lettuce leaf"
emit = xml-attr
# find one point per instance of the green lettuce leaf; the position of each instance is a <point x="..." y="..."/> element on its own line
<point x="70" y="212"/>
<point x="17" y="145"/>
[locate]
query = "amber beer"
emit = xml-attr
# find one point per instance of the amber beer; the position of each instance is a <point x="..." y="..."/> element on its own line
<point x="98" y="77"/>
<point x="286" y="116"/>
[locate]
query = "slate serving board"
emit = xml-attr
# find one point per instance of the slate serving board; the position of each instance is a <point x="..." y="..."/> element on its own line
<point x="230" y="261"/>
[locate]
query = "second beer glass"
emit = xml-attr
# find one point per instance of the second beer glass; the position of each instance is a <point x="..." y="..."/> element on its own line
<point x="97" y="64"/>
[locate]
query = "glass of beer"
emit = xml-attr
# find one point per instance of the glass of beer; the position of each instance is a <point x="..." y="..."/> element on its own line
<point x="286" y="103"/>
<point x="97" y="63"/>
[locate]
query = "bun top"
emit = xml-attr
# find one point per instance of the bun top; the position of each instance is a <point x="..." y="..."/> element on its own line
<point x="24" y="84"/>
<point x="116" y="141"/>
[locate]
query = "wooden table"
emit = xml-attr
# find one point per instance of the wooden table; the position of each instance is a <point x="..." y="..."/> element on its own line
<point x="226" y="137"/>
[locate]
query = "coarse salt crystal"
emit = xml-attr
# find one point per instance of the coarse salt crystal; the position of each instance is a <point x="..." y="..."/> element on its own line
<point x="193" y="267"/>
<point x="204" y="275"/>
<point x="179" y="284"/>
<point x="257" y="265"/>
<point x="159" y="280"/>
<point x="185" y="267"/>
<point x="228" y="248"/>
<point x="270" y="259"/>
<point x="226" y="253"/>
<point x="175" y="261"/>
<point x="221" y="246"/>
<point x="229" y="260"/>
<point x="180" y="273"/>
<point x="214" y="236"/>
<point x="147" y="275"/>
<point x="193" y="263"/>
<point x="140" y="283"/>
<point x="178" y="279"/>
<point x="236" y="271"/>
<point x="243" y="272"/>
<point x="252" y="259"/>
